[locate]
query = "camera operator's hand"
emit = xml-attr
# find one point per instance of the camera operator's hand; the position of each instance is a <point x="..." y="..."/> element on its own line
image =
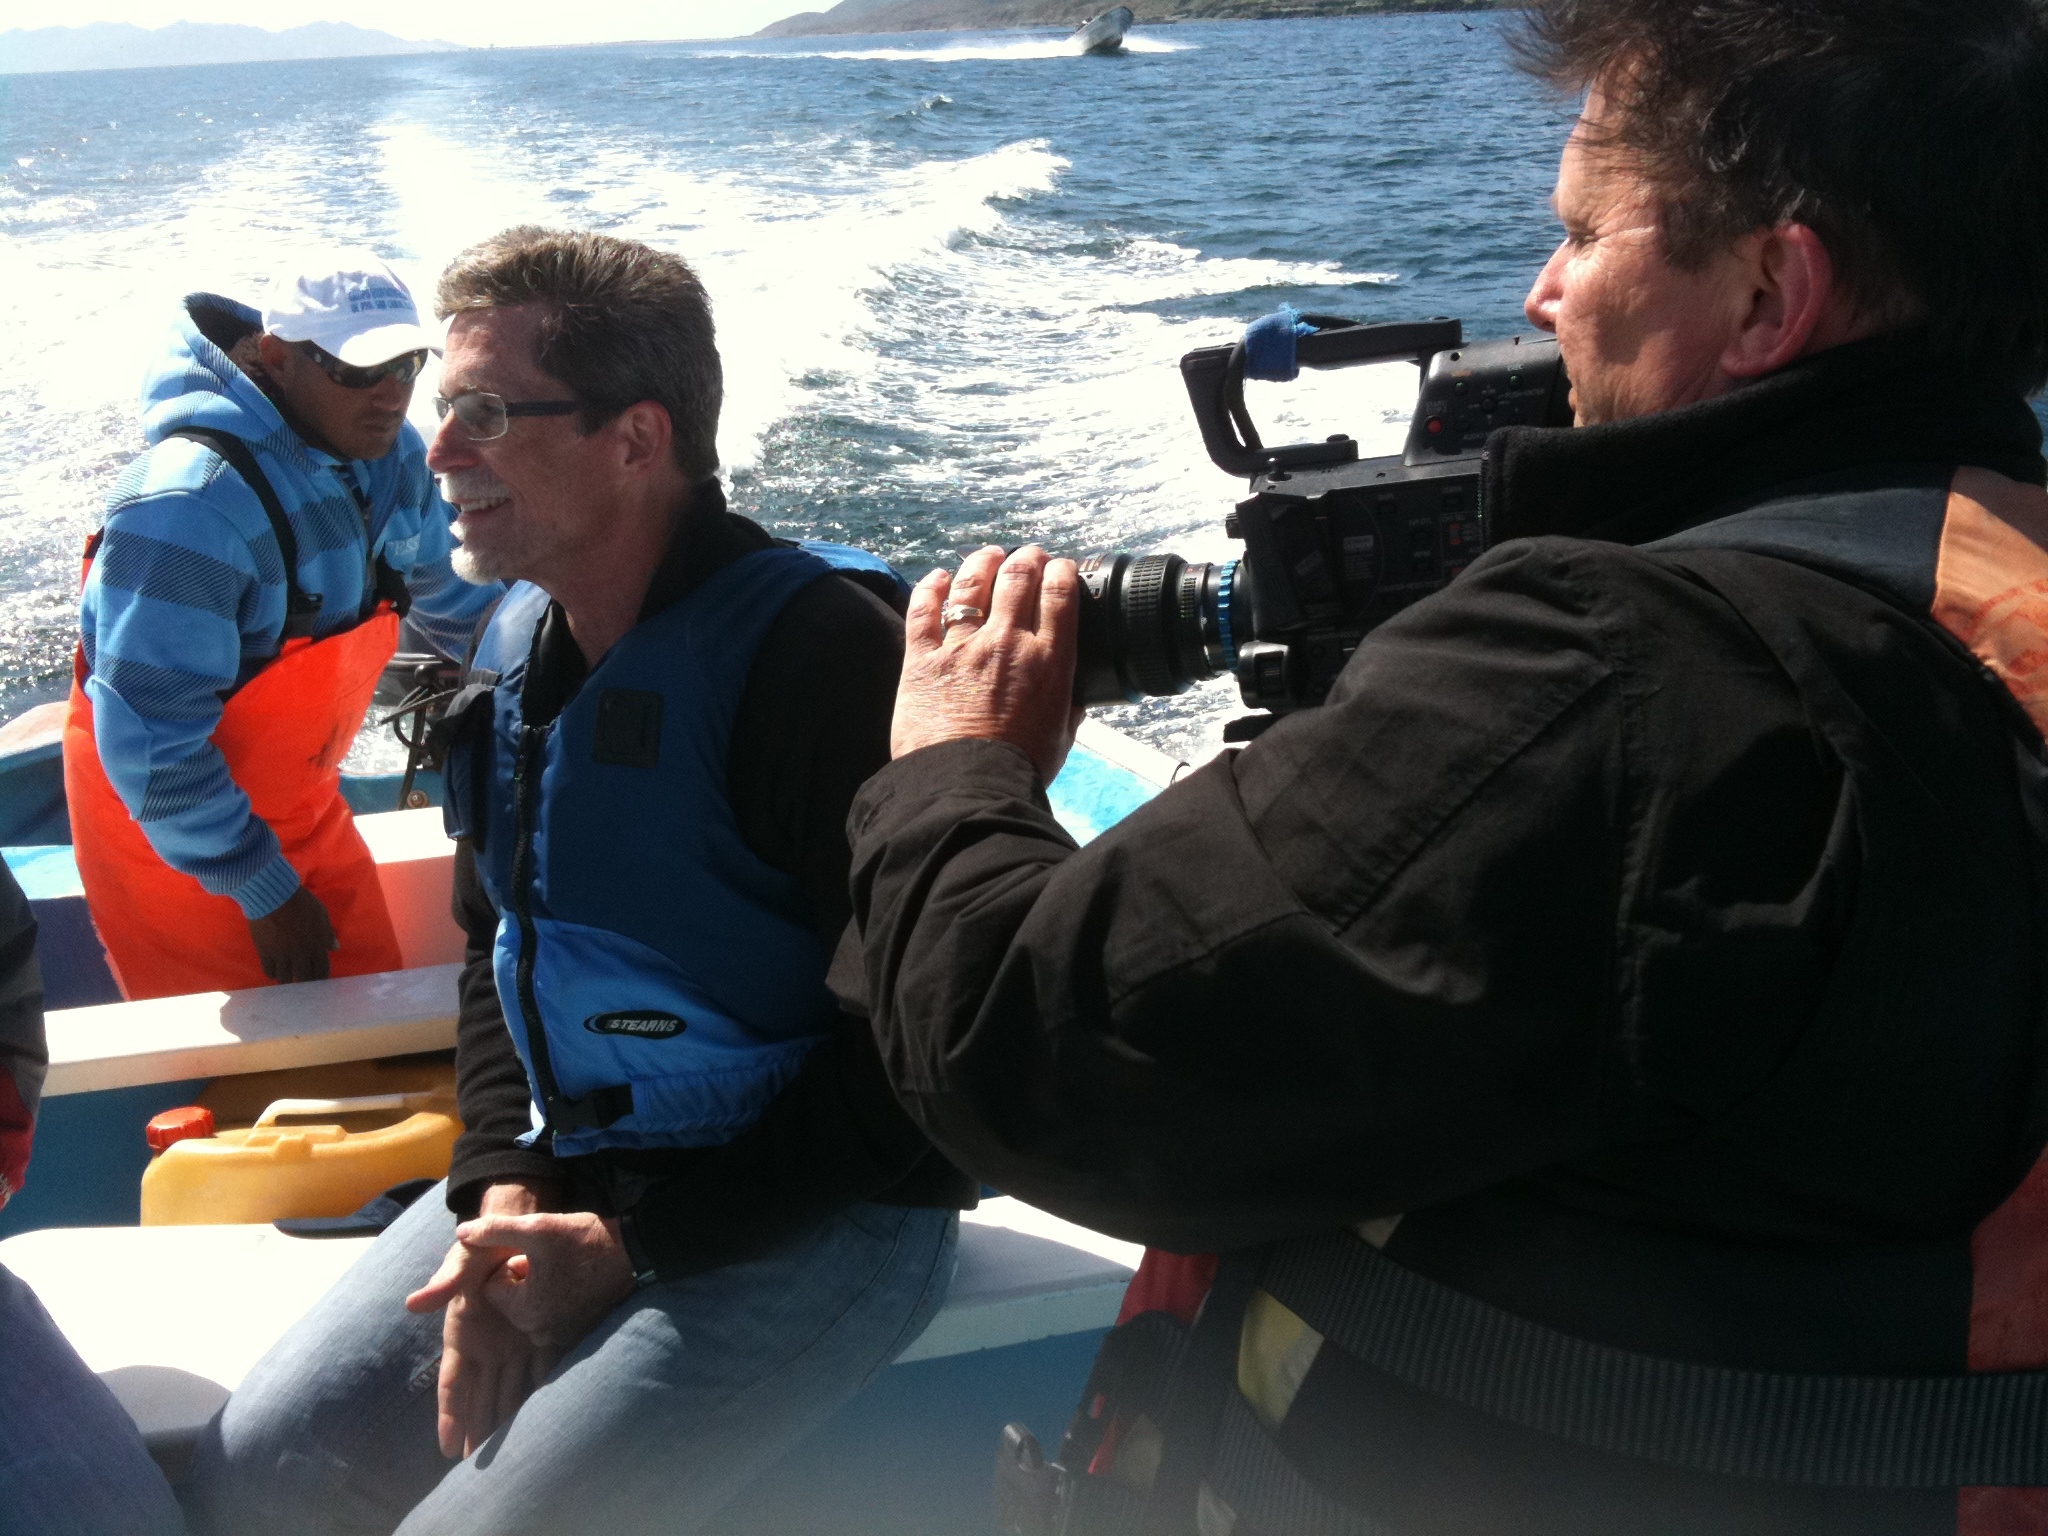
<point x="1008" y="676"/>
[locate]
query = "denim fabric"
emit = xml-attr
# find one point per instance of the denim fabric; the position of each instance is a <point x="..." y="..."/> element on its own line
<point x="679" y="1398"/>
<point x="72" y="1462"/>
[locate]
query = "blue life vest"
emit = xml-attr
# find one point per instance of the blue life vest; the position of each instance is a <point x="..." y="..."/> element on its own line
<point x="673" y="976"/>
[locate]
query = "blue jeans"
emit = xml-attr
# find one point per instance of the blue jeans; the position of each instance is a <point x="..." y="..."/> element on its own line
<point x="674" y="1403"/>
<point x="72" y="1462"/>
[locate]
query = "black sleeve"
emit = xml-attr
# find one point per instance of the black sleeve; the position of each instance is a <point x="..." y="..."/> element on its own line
<point x="811" y="728"/>
<point x="491" y="1092"/>
<point x="24" y="1051"/>
<point x="1358" y="967"/>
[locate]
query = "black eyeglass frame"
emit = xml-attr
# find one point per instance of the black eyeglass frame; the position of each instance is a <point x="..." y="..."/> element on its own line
<point x="406" y="367"/>
<point x="507" y="409"/>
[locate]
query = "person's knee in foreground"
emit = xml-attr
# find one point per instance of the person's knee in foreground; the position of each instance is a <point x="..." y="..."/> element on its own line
<point x="723" y="1225"/>
<point x="1604" y="1039"/>
<point x="72" y="1463"/>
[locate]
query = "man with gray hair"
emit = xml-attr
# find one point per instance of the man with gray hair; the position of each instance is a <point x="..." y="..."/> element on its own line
<point x="628" y="1298"/>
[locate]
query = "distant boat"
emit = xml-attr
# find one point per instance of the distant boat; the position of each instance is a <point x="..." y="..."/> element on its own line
<point x="1105" y="34"/>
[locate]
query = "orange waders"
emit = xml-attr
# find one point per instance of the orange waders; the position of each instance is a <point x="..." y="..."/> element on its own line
<point x="284" y="735"/>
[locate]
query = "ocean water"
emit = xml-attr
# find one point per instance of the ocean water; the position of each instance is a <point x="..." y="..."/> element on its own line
<point x="952" y="274"/>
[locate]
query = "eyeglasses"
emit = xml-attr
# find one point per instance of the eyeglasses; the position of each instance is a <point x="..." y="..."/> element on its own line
<point x="404" y="368"/>
<point x="486" y="416"/>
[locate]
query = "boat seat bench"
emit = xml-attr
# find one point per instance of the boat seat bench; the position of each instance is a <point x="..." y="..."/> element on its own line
<point x="264" y="1029"/>
<point x="172" y="1318"/>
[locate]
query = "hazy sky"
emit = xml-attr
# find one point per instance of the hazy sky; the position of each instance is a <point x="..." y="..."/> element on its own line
<point x="506" y="22"/>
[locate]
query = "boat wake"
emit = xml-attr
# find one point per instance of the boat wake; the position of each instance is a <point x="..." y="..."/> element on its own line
<point x="922" y="358"/>
<point x="1036" y="47"/>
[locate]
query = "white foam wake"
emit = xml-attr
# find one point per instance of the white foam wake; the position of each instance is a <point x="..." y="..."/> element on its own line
<point x="1018" y="49"/>
<point x="846" y="288"/>
<point x="937" y="335"/>
<point x="98" y="295"/>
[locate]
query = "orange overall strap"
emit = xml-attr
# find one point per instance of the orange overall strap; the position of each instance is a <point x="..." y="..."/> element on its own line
<point x="1991" y="593"/>
<point x="284" y="735"/>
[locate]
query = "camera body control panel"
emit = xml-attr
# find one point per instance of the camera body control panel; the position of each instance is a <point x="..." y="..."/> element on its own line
<point x="1469" y="391"/>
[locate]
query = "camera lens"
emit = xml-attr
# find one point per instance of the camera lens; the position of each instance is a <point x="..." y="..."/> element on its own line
<point x="1153" y="625"/>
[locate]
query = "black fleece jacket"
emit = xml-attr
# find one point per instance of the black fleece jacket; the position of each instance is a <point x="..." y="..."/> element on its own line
<point x="1556" y="876"/>
<point x="812" y="724"/>
<point x="1629" y="984"/>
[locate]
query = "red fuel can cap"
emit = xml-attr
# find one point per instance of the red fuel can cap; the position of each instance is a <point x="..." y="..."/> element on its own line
<point x="174" y="1125"/>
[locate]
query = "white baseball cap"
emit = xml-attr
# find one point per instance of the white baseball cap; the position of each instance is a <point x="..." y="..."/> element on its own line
<point x="351" y="306"/>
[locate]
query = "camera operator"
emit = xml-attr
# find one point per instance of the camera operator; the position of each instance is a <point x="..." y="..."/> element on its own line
<point x="1606" y="1039"/>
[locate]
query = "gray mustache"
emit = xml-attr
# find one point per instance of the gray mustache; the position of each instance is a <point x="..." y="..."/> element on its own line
<point x="472" y="485"/>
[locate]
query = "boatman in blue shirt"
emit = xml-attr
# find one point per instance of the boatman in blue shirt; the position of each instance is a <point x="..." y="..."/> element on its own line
<point x="240" y="603"/>
<point x="636" y="1289"/>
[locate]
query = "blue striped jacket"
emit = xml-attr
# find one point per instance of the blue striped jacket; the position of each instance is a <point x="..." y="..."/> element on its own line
<point x="186" y="598"/>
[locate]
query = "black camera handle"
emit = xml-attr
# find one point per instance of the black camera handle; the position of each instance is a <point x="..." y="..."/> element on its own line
<point x="1215" y="381"/>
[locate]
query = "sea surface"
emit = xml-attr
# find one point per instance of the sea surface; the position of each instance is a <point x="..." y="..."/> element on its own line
<point x="953" y="274"/>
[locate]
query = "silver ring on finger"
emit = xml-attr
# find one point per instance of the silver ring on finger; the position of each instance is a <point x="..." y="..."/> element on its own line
<point x="959" y="613"/>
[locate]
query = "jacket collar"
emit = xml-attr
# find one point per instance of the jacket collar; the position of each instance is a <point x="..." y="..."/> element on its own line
<point x="707" y="538"/>
<point x="1856" y="407"/>
<point x="195" y="383"/>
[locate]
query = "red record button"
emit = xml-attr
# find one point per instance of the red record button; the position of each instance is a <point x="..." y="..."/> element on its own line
<point x="174" y="1125"/>
<point x="1434" y="426"/>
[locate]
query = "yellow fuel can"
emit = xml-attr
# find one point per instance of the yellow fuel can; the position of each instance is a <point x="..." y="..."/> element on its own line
<point x="282" y="1167"/>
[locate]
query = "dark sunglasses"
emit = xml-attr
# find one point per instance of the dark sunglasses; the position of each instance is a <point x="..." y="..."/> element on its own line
<point x="486" y="416"/>
<point x="405" y="367"/>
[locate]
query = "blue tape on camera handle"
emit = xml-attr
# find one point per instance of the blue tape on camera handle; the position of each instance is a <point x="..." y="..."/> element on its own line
<point x="1270" y="344"/>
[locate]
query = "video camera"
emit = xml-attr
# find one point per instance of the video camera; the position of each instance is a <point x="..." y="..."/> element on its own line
<point x="1334" y="545"/>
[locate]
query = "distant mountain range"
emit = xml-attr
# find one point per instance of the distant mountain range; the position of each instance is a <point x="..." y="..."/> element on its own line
<point x="864" y="16"/>
<point x="117" y="45"/>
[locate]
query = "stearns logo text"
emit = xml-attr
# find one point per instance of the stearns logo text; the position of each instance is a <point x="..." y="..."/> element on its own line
<point x="647" y="1026"/>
